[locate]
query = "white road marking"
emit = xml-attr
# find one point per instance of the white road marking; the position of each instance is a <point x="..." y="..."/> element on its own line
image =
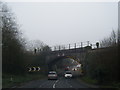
<point x="55" y="83"/>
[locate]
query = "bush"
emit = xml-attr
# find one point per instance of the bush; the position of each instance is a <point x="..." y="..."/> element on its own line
<point x="102" y="65"/>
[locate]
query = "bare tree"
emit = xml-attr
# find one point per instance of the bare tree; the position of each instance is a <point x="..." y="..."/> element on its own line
<point x="12" y="48"/>
<point x="109" y="41"/>
<point x="35" y="44"/>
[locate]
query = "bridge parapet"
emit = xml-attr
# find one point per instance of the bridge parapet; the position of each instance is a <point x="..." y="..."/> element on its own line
<point x="73" y="46"/>
<point x="78" y="54"/>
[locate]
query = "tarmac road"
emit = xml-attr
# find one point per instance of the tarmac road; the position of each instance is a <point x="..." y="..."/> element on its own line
<point x="60" y="83"/>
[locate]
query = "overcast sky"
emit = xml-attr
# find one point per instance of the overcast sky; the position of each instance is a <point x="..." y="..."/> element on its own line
<point x="64" y="23"/>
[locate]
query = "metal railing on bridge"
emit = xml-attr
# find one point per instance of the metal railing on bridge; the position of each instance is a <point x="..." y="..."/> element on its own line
<point x="73" y="46"/>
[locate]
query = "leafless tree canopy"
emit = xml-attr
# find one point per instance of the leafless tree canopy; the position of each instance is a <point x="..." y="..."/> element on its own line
<point x="110" y="41"/>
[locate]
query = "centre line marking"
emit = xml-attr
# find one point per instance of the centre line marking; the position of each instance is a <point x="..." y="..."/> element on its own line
<point x="55" y="83"/>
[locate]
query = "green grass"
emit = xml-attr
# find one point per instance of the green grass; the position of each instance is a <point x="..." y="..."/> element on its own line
<point x="89" y="80"/>
<point x="112" y="85"/>
<point x="104" y="85"/>
<point x="0" y="82"/>
<point x="17" y="80"/>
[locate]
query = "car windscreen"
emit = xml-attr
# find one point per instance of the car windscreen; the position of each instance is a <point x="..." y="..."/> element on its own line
<point x="68" y="73"/>
<point x="52" y="73"/>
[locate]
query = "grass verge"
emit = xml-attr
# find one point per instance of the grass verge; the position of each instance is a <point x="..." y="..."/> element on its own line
<point x="9" y="81"/>
<point x="89" y="80"/>
<point x="111" y="85"/>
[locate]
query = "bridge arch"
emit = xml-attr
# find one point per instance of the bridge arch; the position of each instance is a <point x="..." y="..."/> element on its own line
<point x="77" y="54"/>
<point x="55" y="60"/>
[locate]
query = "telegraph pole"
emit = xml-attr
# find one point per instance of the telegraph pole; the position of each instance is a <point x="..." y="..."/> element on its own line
<point x="69" y="46"/>
<point x="88" y="43"/>
<point x="59" y="47"/>
<point x="75" y="45"/>
<point x="54" y="48"/>
<point x="81" y="44"/>
<point x="64" y="47"/>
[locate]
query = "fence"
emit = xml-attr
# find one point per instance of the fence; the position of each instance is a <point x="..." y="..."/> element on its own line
<point x="73" y="46"/>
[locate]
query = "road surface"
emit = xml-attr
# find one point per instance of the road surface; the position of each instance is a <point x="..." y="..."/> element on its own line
<point x="60" y="83"/>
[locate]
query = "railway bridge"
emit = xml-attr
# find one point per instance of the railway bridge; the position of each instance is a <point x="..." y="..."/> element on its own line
<point x="78" y="54"/>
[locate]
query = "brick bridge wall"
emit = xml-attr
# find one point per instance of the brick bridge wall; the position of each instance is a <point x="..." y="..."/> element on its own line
<point x="77" y="54"/>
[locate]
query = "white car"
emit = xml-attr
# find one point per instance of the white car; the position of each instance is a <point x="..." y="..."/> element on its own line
<point x="68" y="74"/>
<point x="52" y="75"/>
